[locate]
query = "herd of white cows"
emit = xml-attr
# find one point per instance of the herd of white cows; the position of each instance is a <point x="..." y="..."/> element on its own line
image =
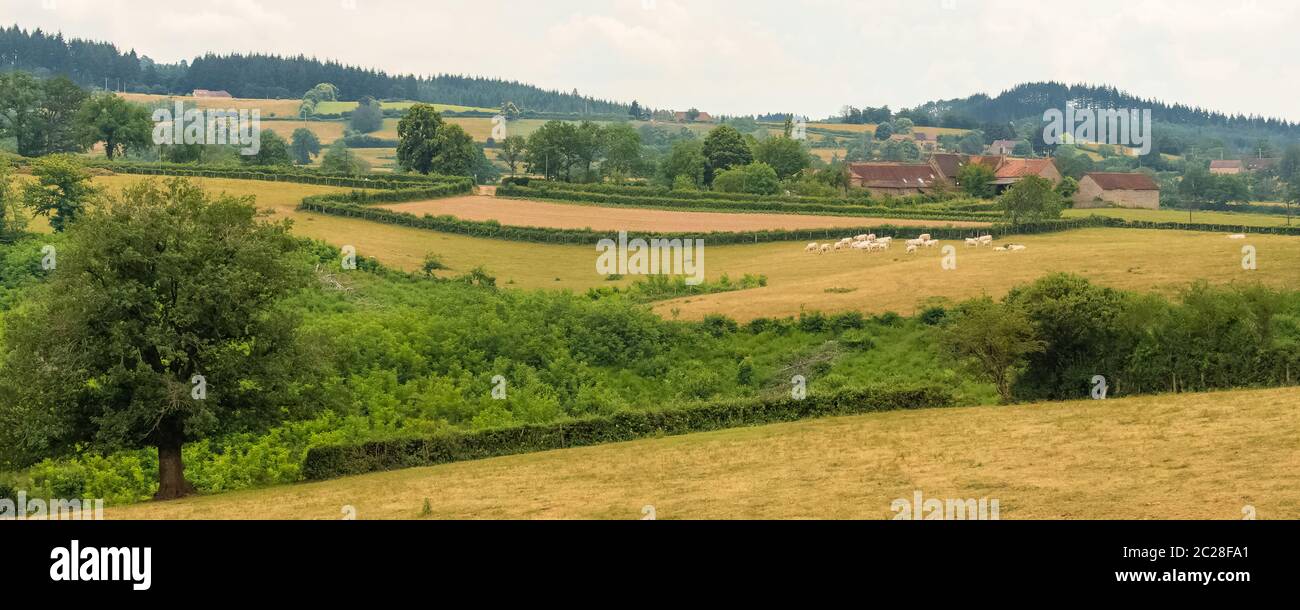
<point x="871" y="243"/>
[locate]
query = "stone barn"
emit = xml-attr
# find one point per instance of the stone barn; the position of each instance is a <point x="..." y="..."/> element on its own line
<point x="1103" y="190"/>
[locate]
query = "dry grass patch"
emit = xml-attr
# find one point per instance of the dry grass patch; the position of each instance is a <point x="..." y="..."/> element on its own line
<point x="267" y="108"/>
<point x="1195" y="456"/>
<point x="1154" y="260"/>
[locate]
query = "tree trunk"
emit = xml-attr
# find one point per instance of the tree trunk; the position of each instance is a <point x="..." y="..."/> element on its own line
<point x="171" y="471"/>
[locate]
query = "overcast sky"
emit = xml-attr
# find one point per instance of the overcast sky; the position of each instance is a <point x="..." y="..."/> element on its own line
<point x="742" y="57"/>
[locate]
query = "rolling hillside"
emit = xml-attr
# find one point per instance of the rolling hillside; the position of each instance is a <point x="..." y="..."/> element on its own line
<point x="1193" y="456"/>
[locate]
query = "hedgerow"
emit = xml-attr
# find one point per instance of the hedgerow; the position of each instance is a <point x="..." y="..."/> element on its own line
<point x="325" y="462"/>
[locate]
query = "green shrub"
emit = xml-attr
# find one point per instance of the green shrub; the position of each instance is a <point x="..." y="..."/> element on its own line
<point x="331" y="461"/>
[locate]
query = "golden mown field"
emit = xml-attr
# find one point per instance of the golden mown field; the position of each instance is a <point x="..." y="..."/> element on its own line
<point x="1191" y="456"/>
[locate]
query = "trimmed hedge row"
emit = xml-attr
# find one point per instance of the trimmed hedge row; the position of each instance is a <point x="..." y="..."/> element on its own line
<point x="781" y="206"/>
<point x="645" y="190"/>
<point x="332" y="461"/>
<point x="273" y="174"/>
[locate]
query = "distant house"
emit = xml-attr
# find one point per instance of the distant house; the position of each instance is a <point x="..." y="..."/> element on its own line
<point x="1001" y="147"/>
<point x="682" y="117"/>
<point x="1261" y="164"/>
<point x="894" y="179"/>
<point x="1012" y="170"/>
<point x="1100" y="190"/>
<point x="206" y="93"/>
<point x="950" y="164"/>
<point x="1227" y="167"/>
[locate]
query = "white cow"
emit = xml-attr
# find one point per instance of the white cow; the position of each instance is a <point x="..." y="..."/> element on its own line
<point x="924" y="237"/>
<point x="1017" y="248"/>
<point x="1237" y="236"/>
<point x="972" y="242"/>
<point x="1000" y="249"/>
<point x="813" y="247"/>
<point x="986" y="240"/>
<point x="911" y="248"/>
<point x="826" y="248"/>
<point x="930" y="243"/>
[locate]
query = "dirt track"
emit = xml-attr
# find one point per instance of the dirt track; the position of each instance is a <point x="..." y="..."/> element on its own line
<point x="524" y="213"/>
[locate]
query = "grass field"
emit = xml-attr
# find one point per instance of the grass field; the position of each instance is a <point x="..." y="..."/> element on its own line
<point x="1163" y="261"/>
<point x="327" y="131"/>
<point x="267" y="108"/>
<point x="523" y="213"/>
<point x="341" y="107"/>
<point x="1191" y="456"/>
<point x="1227" y="218"/>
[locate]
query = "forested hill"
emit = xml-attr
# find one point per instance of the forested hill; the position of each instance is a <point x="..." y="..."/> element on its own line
<point x="92" y="63"/>
<point x="1030" y="100"/>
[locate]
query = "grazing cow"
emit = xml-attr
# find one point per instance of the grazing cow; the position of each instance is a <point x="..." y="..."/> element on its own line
<point x="930" y="243"/>
<point x="986" y="240"/>
<point x="915" y="242"/>
<point x="826" y="248"/>
<point x="912" y="248"/>
<point x="813" y="247"/>
<point x="862" y="238"/>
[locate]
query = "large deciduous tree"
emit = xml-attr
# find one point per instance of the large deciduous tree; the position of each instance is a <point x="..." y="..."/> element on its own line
<point x="162" y="324"/>
<point x="1033" y="198"/>
<point x="993" y="340"/>
<point x="304" y="145"/>
<point x="61" y="190"/>
<point x="418" y="141"/>
<point x="119" y="124"/>
<point x="785" y="155"/>
<point x="368" y="116"/>
<point x="724" y="148"/>
<point x="41" y="116"/>
<point x="514" y="150"/>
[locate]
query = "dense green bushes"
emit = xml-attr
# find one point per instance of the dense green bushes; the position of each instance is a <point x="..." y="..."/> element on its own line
<point x="340" y="460"/>
<point x="1208" y="338"/>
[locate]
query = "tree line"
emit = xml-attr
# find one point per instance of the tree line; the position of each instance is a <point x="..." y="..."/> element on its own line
<point x="90" y="63"/>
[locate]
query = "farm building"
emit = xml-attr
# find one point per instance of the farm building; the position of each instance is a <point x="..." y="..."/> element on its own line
<point x="684" y="117"/>
<point x="1001" y="147"/>
<point x="1227" y="167"/>
<point x="950" y="164"/>
<point x="1012" y="170"/>
<point x="206" y="93"/>
<point x="1101" y="190"/>
<point x="1260" y="164"/>
<point x="894" y="179"/>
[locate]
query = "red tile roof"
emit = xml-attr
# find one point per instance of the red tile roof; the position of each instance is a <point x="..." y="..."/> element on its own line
<point x="1123" y="182"/>
<point x="894" y="175"/>
<point x="1019" y="168"/>
<point x="1226" y="164"/>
